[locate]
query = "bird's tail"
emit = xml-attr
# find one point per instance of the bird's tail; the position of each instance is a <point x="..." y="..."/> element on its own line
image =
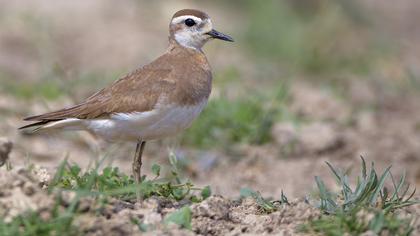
<point x="64" y="124"/>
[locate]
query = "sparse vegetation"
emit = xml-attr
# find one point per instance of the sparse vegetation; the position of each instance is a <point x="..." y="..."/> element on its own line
<point x="370" y="191"/>
<point x="231" y="122"/>
<point x="239" y="121"/>
<point x="266" y="206"/>
<point x="367" y="207"/>
<point x="299" y="37"/>
<point x="111" y="182"/>
<point x="33" y="223"/>
<point x="358" y="221"/>
<point x="181" y="217"/>
<point x="370" y="206"/>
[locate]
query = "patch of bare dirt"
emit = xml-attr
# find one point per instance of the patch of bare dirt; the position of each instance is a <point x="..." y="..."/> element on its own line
<point x="22" y="190"/>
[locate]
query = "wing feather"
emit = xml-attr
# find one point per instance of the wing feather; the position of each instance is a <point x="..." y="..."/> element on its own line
<point x="135" y="92"/>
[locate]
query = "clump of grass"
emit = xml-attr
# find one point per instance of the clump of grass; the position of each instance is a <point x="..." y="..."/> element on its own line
<point x="70" y="177"/>
<point x="32" y="223"/>
<point x="227" y="121"/>
<point x="266" y="206"/>
<point x="111" y="182"/>
<point x="224" y="122"/>
<point x="181" y="217"/>
<point x="358" y="221"/>
<point x="55" y="221"/>
<point x="370" y="191"/>
<point x="369" y="206"/>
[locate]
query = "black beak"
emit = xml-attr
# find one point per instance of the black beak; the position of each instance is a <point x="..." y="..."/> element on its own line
<point x="217" y="35"/>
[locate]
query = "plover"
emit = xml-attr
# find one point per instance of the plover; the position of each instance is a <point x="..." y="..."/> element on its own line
<point x="157" y="100"/>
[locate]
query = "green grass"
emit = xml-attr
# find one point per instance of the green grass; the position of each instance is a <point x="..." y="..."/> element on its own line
<point x="265" y="206"/>
<point x="111" y="182"/>
<point x="55" y="221"/>
<point x="32" y="224"/>
<point x="369" y="206"/>
<point x="370" y="191"/>
<point x="224" y="122"/>
<point x="244" y="120"/>
<point x="316" y="37"/>
<point x="48" y="89"/>
<point x="358" y="221"/>
<point x="181" y="217"/>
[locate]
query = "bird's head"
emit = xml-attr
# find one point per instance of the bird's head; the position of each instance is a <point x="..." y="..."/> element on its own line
<point x="193" y="28"/>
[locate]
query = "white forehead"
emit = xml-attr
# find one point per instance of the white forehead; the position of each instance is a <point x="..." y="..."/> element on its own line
<point x="180" y="19"/>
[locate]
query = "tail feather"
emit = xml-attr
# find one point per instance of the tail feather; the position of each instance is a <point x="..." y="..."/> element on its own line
<point x="63" y="118"/>
<point x="57" y="115"/>
<point x="65" y="124"/>
<point x="36" y="124"/>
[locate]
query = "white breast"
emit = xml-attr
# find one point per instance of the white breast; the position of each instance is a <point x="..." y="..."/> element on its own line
<point x="165" y="120"/>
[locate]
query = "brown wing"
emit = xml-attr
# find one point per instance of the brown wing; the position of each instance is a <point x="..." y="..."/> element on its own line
<point x="138" y="91"/>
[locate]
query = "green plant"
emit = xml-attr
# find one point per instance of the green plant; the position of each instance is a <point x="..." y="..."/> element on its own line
<point x="224" y="122"/>
<point x="71" y="177"/>
<point x="370" y="191"/>
<point x="248" y="119"/>
<point x="369" y="206"/>
<point x="266" y="206"/>
<point x="358" y="221"/>
<point x="111" y="182"/>
<point x="57" y="222"/>
<point x="181" y="217"/>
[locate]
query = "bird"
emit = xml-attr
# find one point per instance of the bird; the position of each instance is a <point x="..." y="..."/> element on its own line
<point x="157" y="100"/>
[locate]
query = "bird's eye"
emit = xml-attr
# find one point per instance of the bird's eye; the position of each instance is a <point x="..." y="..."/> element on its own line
<point x="189" y="22"/>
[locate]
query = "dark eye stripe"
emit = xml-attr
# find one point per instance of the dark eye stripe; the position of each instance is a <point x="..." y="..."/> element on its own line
<point x="189" y="22"/>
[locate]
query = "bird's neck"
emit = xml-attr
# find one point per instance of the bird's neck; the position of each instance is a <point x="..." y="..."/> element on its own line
<point x="195" y="57"/>
<point x="173" y="43"/>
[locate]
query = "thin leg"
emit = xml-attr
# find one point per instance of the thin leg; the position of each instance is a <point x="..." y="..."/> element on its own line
<point x="137" y="161"/>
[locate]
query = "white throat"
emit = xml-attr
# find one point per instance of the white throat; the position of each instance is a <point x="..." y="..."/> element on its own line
<point x="188" y="40"/>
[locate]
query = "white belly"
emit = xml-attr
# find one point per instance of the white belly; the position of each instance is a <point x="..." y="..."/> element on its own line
<point x="163" y="121"/>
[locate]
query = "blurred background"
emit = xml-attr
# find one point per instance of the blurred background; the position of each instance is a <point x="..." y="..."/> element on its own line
<point x="305" y="82"/>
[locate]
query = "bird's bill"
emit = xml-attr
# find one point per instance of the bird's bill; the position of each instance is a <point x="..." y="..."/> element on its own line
<point x="218" y="35"/>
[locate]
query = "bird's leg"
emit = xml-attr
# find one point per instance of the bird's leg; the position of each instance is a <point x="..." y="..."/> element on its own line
<point x="137" y="161"/>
